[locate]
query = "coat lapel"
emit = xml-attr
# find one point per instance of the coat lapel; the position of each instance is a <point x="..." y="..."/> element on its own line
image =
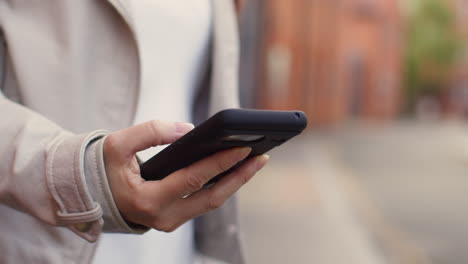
<point x="123" y="8"/>
<point x="225" y="61"/>
<point x="222" y="89"/>
<point x="216" y="232"/>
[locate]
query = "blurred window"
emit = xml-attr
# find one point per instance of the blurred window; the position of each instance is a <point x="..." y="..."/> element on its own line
<point x="366" y="9"/>
<point x="357" y="70"/>
<point x="279" y="62"/>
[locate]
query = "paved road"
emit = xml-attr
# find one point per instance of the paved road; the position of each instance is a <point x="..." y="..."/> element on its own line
<point x="294" y="212"/>
<point x="417" y="174"/>
<point x="362" y="194"/>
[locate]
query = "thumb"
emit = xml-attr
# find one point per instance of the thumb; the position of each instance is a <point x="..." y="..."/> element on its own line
<point x="150" y="134"/>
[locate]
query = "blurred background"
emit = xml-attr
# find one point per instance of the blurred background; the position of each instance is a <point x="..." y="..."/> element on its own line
<point x="380" y="176"/>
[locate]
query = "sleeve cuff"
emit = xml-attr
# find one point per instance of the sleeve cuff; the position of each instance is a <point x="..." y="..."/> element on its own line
<point x="67" y="185"/>
<point x="99" y="188"/>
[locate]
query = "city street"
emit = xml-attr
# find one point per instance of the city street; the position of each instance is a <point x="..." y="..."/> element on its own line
<point x="362" y="193"/>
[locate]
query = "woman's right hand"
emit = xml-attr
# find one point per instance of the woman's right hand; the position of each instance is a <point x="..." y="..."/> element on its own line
<point x="167" y="204"/>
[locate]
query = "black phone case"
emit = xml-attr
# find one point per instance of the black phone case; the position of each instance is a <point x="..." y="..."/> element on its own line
<point x="209" y="137"/>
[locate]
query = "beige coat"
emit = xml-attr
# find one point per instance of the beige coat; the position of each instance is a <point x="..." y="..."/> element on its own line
<point x="69" y="69"/>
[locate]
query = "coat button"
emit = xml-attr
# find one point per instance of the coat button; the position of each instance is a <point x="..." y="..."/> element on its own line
<point x="83" y="227"/>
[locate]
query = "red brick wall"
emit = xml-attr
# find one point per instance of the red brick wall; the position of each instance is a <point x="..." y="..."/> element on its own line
<point x="370" y="46"/>
<point x="457" y="99"/>
<point x="333" y="59"/>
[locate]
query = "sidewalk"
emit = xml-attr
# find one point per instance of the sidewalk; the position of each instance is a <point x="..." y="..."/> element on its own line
<point x="362" y="194"/>
<point x="416" y="174"/>
<point x="295" y="211"/>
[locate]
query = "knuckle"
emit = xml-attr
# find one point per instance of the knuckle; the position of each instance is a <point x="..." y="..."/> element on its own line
<point x="156" y="224"/>
<point x="145" y="207"/>
<point x="247" y="175"/>
<point x="193" y="183"/>
<point x="165" y="227"/>
<point x="224" y="164"/>
<point x="111" y="143"/>
<point x="142" y="207"/>
<point x="245" y="178"/>
<point x="171" y="229"/>
<point x="153" y="126"/>
<point x="214" y="203"/>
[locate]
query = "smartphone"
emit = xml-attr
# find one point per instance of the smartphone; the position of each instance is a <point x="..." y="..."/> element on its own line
<point x="261" y="130"/>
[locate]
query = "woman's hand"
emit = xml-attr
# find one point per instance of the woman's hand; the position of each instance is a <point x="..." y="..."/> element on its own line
<point x="161" y="204"/>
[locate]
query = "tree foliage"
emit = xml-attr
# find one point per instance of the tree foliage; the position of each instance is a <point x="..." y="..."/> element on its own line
<point x="432" y="48"/>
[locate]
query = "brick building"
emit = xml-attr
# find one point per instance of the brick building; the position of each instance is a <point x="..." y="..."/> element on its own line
<point x="458" y="93"/>
<point x="334" y="59"/>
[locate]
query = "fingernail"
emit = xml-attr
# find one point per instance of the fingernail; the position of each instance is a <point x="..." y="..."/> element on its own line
<point x="182" y="127"/>
<point x="243" y="152"/>
<point x="262" y="161"/>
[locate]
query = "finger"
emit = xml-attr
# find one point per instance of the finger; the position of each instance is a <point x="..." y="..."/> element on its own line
<point x="150" y="134"/>
<point x="214" y="197"/>
<point x="192" y="178"/>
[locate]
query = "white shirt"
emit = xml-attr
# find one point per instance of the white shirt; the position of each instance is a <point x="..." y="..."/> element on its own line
<point x="173" y="39"/>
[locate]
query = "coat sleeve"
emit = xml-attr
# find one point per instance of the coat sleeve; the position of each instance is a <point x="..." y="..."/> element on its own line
<point x="42" y="170"/>
<point x="56" y="176"/>
<point x="51" y="173"/>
